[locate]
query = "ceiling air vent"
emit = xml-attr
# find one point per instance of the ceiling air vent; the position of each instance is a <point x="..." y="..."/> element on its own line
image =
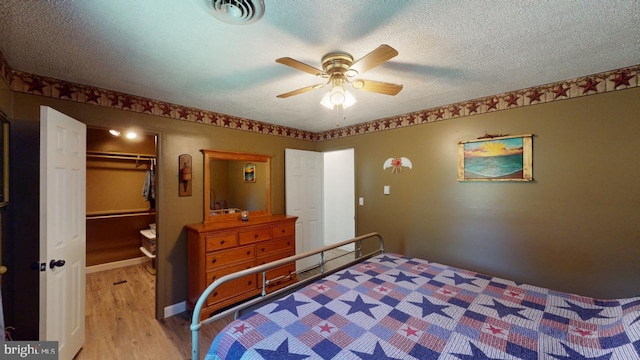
<point x="237" y="12"/>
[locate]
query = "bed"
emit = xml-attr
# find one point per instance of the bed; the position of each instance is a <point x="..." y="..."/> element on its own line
<point x="391" y="306"/>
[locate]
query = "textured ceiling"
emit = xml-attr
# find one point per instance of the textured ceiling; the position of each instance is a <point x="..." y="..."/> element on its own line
<point x="449" y="51"/>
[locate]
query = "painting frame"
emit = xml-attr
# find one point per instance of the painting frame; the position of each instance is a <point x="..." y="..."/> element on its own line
<point x="502" y="158"/>
<point x="249" y="173"/>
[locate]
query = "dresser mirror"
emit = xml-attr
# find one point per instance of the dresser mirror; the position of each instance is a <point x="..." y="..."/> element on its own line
<point x="235" y="182"/>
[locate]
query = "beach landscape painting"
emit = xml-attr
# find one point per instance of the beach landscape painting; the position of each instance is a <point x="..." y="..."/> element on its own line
<point x="506" y="158"/>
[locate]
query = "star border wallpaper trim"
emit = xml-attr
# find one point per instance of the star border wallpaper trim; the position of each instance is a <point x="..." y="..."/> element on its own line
<point x="614" y="80"/>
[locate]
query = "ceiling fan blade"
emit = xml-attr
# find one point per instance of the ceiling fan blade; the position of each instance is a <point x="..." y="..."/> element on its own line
<point x="300" y="91"/>
<point x="300" y="66"/>
<point x="376" y="57"/>
<point x="377" y="87"/>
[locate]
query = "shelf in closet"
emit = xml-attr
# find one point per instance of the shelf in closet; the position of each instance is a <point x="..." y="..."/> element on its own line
<point x="122" y="156"/>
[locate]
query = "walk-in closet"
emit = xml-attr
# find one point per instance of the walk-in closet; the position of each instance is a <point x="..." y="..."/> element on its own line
<point x="121" y="209"/>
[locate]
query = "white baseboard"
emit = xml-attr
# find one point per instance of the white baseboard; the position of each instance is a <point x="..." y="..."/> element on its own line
<point x="175" y="309"/>
<point x="116" y="264"/>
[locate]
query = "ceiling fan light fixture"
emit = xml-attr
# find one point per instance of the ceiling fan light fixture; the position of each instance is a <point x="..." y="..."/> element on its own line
<point x="340" y="68"/>
<point x="351" y="73"/>
<point x="349" y="99"/>
<point x="326" y="101"/>
<point x="358" y="84"/>
<point x="338" y="96"/>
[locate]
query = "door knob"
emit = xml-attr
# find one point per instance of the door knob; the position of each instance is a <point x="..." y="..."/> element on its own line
<point x="58" y="263"/>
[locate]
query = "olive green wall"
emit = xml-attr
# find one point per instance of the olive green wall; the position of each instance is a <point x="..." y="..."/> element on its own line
<point x="575" y="228"/>
<point x="174" y="212"/>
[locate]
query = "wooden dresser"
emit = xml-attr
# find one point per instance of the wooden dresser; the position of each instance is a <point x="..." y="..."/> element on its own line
<point x="219" y="248"/>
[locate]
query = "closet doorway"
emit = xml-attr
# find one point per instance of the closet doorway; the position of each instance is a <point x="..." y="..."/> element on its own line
<point x="121" y="201"/>
<point x="320" y="191"/>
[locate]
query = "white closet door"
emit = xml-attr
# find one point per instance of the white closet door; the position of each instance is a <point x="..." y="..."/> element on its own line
<point x="303" y="193"/>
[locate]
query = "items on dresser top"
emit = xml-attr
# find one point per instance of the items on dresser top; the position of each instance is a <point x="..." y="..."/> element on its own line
<point x="216" y="249"/>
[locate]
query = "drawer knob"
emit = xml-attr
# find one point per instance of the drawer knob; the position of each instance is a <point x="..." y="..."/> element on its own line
<point x="250" y="282"/>
<point x="255" y="236"/>
<point x="221" y="242"/>
<point x="215" y="294"/>
<point x="288" y="242"/>
<point x="263" y="249"/>
<point x="283" y="230"/>
<point x="249" y="252"/>
<point x="214" y="278"/>
<point x="213" y="260"/>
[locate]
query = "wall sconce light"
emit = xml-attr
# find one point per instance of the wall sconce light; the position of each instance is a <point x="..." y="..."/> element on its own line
<point x="184" y="175"/>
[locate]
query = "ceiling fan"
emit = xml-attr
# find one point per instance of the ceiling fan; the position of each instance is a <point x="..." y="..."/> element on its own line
<point x="339" y="68"/>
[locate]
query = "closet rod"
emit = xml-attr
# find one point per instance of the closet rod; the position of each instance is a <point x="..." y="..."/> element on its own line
<point x="121" y="156"/>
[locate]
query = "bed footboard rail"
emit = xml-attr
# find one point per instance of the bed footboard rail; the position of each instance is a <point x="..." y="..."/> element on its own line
<point x="196" y="324"/>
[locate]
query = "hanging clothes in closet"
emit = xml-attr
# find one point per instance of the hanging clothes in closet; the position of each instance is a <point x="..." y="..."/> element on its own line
<point x="149" y="186"/>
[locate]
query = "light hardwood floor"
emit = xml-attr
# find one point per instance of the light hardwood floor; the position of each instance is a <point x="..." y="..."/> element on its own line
<point x="121" y="324"/>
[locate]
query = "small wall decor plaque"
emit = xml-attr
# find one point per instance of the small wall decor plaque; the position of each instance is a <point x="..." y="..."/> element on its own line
<point x="504" y="158"/>
<point x="396" y="164"/>
<point x="185" y="175"/>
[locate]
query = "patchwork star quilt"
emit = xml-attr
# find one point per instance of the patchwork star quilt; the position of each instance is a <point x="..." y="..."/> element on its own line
<point x="396" y="307"/>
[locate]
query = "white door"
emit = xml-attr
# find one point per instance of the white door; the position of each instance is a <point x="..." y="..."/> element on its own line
<point x="62" y="231"/>
<point x="338" y="186"/>
<point x="303" y="195"/>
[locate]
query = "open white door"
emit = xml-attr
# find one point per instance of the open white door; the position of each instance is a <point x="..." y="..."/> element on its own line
<point x="303" y="195"/>
<point x="62" y="231"/>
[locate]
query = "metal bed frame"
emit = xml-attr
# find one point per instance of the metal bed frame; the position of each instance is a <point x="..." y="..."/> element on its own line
<point x="236" y="310"/>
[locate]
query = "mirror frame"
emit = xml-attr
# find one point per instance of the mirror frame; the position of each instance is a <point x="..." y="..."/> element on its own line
<point x="239" y="156"/>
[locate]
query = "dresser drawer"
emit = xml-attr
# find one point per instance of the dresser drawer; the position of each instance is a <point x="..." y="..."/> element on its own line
<point x="220" y="241"/>
<point x="273" y="246"/>
<point x="260" y="234"/>
<point x="221" y="258"/>
<point x="221" y="247"/>
<point x="283" y="270"/>
<point x="231" y="288"/>
<point x="284" y="230"/>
